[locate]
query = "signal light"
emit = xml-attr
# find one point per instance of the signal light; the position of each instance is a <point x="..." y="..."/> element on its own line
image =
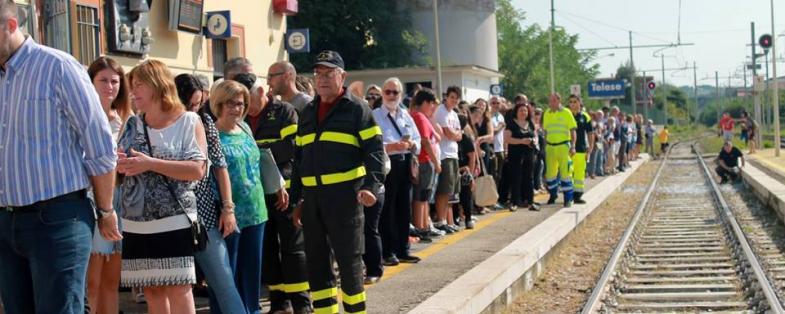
<point x="652" y="85"/>
<point x="765" y="41"/>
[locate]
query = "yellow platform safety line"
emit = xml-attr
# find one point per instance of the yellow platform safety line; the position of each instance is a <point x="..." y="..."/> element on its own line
<point x="332" y="309"/>
<point x="353" y="299"/>
<point x="324" y="294"/>
<point x="778" y="168"/>
<point x="390" y="271"/>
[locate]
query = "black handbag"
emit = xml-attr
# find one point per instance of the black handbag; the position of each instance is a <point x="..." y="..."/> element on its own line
<point x="198" y="230"/>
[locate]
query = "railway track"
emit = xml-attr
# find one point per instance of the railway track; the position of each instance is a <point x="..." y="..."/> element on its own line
<point x="685" y="252"/>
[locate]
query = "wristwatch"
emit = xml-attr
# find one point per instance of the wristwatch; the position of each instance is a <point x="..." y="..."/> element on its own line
<point x="103" y="213"/>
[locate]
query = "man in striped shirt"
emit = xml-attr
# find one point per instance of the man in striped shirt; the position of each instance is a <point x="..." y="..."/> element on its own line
<point x="55" y="142"/>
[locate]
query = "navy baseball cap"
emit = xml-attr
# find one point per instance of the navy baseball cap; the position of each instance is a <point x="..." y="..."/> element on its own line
<point x="330" y="59"/>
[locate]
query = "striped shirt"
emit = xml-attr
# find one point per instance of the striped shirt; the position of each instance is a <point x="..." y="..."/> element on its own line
<point x="54" y="133"/>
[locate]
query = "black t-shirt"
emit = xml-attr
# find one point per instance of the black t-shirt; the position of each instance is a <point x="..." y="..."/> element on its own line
<point x="582" y="131"/>
<point x="465" y="147"/>
<point x="520" y="133"/>
<point x="731" y="159"/>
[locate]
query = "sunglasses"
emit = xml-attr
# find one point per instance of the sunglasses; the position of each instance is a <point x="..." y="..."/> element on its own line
<point x="390" y="92"/>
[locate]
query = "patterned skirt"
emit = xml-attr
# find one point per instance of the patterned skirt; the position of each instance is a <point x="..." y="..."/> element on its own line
<point x="158" y="252"/>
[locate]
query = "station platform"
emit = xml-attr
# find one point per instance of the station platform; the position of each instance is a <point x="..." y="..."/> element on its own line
<point x="766" y="162"/>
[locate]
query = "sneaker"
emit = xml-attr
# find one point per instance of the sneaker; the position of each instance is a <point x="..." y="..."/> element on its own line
<point x="138" y="295"/>
<point x="580" y="201"/>
<point x="391" y="261"/>
<point x="445" y="228"/>
<point x="513" y="208"/>
<point x="409" y="259"/>
<point x="498" y="206"/>
<point x="425" y="239"/>
<point x="567" y="204"/>
<point x="434" y="232"/>
<point x="455" y="228"/>
<point x="534" y="207"/>
<point x="369" y="280"/>
<point x="469" y="224"/>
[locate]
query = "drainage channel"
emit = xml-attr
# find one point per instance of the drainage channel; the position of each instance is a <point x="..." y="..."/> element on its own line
<point x="683" y="251"/>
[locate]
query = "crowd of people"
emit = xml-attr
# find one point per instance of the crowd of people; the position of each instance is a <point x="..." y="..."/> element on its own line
<point x="747" y="125"/>
<point x="137" y="179"/>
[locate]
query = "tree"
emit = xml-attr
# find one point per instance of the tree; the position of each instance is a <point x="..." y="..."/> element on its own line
<point x="367" y="33"/>
<point x="523" y="57"/>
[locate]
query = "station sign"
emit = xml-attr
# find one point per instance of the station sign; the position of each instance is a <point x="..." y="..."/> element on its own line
<point x="298" y="40"/>
<point x="497" y="89"/>
<point x="219" y="25"/>
<point x="606" y="89"/>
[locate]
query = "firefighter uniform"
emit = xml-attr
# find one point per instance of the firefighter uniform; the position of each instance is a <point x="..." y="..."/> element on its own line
<point x="582" y="133"/>
<point x="283" y="263"/>
<point x="558" y="125"/>
<point x="336" y="158"/>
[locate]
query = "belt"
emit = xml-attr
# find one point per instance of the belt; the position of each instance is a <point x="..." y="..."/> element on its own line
<point x="559" y="143"/>
<point x="80" y="194"/>
<point x="400" y="157"/>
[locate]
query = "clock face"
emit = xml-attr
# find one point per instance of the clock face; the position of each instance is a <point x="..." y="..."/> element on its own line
<point x="217" y="24"/>
<point x="297" y="41"/>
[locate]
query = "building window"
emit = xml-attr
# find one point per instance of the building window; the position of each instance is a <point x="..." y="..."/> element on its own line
<point x="56" y="25"/>
<point x="87" y="34"/>
<point x="219" y="58"/>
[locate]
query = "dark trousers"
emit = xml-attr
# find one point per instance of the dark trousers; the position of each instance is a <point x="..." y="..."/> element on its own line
<point x="725" y="174"/>
<point x="466" y="199"/>
<point x="397" y="209"/>
<point x="283" y="259"/>
<point x="497" y="167"/>
<point x="622" y="154"/>
<point x="520" y="173"/>
<point x="505" y="182"/>
<point x="332" y="215"/>
<point x="373" y="241"/>
<point x="43" y="255"/>
<point x="539" y="168"/>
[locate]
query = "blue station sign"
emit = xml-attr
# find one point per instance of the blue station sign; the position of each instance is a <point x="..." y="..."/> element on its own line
<point x="608" y="88"/>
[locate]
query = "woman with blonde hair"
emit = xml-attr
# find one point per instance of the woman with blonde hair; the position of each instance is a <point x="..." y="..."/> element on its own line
<point x="229" y="102"/>
<point x="103" y="270"/>
<point x="162" y="157"/>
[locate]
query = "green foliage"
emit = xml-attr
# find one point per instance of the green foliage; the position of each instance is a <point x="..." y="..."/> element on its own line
<point x="367" y="33"/>
<point x="523" y="57"/>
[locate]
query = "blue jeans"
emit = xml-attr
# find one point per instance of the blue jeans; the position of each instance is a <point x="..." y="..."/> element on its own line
<point x="214" y="263"/>
<point x="245" y="258"/>
<point x="44" y="254"/>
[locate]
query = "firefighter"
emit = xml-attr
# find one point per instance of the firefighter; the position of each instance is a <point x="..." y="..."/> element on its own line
<point x="584" y="143"/>
<point x="274" y="127"/>
<point x="339" y="167"/>
<point x="559" y="126"/>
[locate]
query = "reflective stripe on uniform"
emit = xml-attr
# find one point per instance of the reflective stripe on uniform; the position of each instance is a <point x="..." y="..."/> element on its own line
<point x="277" y="288"/>
<point x="353" y="299"/>
<point x="296" y="287"/>
<point x="305" y="139"/>
<point x="370" y="132"/>
<point x="267" y="140"/>
<point x="332" y="309"/>
<point x="289" y="130"/>
<point x="333" y="178"/>
<point x="288" y="183"/>
<point x="324" y="294"/>
<point x="339" y="137"/>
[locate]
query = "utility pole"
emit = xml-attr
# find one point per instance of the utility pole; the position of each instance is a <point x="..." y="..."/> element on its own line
<point x="632" y="79"/>
<point x="645" y="91"/>
<point x="775" y="98"/>
<point x="695" y="88"/>
<point x="664" y="99"/>
<point x="438" y="48"/>
<point x="550" y="48"/>
<point x="755" y="94"/>
<point x="766" y="110"/>
<point x="717" y="90"/>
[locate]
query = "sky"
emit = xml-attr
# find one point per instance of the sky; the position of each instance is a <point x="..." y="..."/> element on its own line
<point x="719" y="30"/>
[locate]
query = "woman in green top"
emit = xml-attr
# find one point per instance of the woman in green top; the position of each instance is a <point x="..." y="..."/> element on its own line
<point x="229" y="101"/>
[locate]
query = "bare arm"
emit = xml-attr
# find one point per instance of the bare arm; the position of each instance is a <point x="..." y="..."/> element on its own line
<point x="452" y="135"/>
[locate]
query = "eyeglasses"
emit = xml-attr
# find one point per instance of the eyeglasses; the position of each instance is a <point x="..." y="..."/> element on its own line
<point x="325" y="75"/>
<point x="494" y="103"/>
<point x="231" y="104"/>
<point x="372" y="96"/>
<point x="272" y="75"/>
<point x="391" y="92"/>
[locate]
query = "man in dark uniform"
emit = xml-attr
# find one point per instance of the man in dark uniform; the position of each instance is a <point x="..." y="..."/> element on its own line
<point x="583" y="146"/>
<point x="339" y="167"/>
<point x="274" y="126"/>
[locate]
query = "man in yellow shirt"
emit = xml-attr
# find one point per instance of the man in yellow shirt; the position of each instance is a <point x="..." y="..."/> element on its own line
<point x="664" y="134"/>
<point x="559" y="126"/>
